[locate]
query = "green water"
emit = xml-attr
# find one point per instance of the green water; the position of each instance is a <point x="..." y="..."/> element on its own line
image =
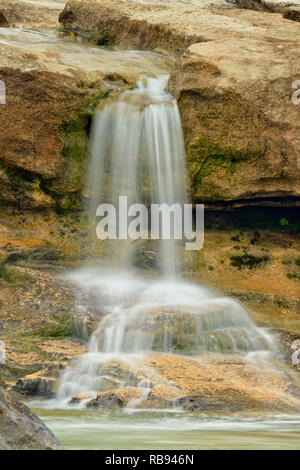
<point x="95" y="429"/>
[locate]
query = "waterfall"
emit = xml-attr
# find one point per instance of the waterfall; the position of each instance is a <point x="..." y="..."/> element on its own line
<point x="137" y="150"/>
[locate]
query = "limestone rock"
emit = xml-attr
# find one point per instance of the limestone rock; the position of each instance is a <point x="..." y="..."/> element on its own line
<point x="289" y="9"/>
<point x="39" y="15"/>
<point x="206" y="382"/>
<point x="116" y="399"/>
<point x="36" y="385"/>
<point x="223" y="382"/>
<point x="3" y="257"/>
<point x="20" y="429"/>
<point x="234" y="87"/>
<point x="241" y="127"/>
<point x="39" y="253"/>
<point x="79" y="398"/>
<point x="3" y="21"/>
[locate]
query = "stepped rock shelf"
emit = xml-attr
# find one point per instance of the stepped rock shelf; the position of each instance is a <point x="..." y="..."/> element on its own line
<point x="133" y="335"/>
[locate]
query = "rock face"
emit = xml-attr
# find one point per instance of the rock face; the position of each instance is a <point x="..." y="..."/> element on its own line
<point x="206" y="382"/>
<point x="234" y="86"/>
<point x="3" y="21"/>
<point x="43" y="147"/>
<point x="20" y="429"/>
<point x="31" y="148"/>
<point x="169" y="26"/>
<point x="51" y="96"/>
<point x="240" y="124"/>
<point x="288" y="9"/>
<point x="36" y="385"/>
<point x="33" y="15"/>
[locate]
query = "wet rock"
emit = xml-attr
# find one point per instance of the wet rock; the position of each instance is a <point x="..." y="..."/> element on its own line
<point x="207" y="382"/>
<point x="162" y="396"/>
<point x="39" y="253"/>
<point x="20" y="429"/>
<point x="224" y="327"/>
<point x="241" y="127"/>
<point x="226" y="382"/>
<point x="16" y="275"/>
<point x="36" y="385"/>
<point x="116" y="399"/>
<point x="3" y="21"/>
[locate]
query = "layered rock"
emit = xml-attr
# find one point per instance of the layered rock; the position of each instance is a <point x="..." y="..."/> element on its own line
<point x="240" y="124"/>
<point x="16" y="13"/>
<point x="208" y="382"/>
<point x="288" y="9"/>
<point x="20" y="429"/>
<point x="50" y="100"/>
<point x="169" y="26"/>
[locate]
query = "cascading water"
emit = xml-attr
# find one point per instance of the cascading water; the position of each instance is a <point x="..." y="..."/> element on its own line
<point x="137" y="150"/>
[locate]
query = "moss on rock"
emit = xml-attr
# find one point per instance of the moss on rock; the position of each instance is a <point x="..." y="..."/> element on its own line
<point x="16" y="275"/>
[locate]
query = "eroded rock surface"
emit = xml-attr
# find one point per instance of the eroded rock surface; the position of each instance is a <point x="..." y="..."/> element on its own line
<point x="240" y="124"/>
<point x="288" y="9"/>
<point x="20" y="429"/>
<point x="39" y="15"/>
<point x="171" y="26"/>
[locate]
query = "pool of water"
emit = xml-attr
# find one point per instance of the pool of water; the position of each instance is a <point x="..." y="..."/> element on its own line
<point x="156" y="429"/>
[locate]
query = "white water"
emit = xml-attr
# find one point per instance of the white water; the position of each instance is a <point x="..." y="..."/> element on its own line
<point x="137" y="150"/>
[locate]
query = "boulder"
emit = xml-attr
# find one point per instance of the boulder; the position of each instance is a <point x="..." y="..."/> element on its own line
<point x="114" y="399"/>
<point x="33" y="149"/>
<point x="289" y="9"/>
<point x="206" y="382"/>
<point x="234" y="86"/>
<point x="3" y="21"/>
<point x="36" y="385"/>
<point x="240" y="125"/>
<point x="20" y="429"/>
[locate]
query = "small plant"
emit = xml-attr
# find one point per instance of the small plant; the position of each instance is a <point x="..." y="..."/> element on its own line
<point x="297" y="262"/>
<point x="238" y="238"/>
<point x="284" y="222"/>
